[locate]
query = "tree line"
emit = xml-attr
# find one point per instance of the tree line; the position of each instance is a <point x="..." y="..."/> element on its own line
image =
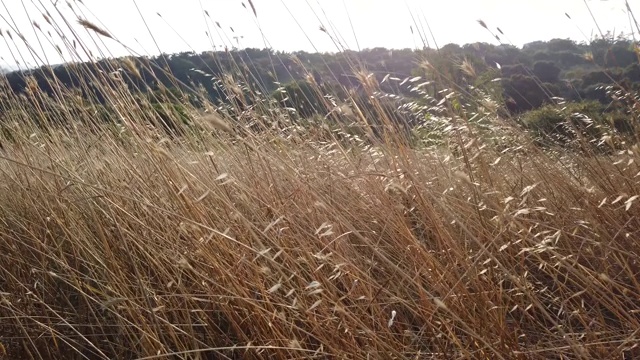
<point x="520" y="79"/>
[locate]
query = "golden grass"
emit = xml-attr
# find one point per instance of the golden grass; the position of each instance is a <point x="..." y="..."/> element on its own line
<point x="291" y="250"/>
<point x="117" y="242"/>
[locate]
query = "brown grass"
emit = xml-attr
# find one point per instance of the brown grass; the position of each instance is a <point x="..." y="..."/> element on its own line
<point x="117" y="242"/>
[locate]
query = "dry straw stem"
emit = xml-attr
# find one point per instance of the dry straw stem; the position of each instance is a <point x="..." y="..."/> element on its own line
<point x="253" y="8"/>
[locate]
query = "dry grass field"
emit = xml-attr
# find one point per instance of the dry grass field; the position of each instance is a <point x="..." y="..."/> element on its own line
<point x="248" y="236"/>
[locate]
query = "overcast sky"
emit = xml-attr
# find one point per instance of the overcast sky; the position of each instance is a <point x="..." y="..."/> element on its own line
<point x="294" y="24"/>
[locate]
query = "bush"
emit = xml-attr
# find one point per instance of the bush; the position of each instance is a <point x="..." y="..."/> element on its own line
<point x="512" y="70"/>
<point x="568" y="59"/>
<point x="303" y="97"/>
<point x="525" y="93"/>
<point x="632" y="72"/>
<point x="173" y="117"/>
<point x="600" y="77"/>
<point x="597" y="92"/>
<point x="560" y="123"/>
<point x="546" y="71"/>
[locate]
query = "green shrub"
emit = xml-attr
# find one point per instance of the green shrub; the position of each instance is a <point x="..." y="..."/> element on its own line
<point x="560" y="123"/>
<point x="172" y="117"/>
<point x="302" y="96"/>
<point x="597" y="92"/>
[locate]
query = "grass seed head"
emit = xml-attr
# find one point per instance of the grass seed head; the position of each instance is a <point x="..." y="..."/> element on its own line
<point x="93" y="27"/>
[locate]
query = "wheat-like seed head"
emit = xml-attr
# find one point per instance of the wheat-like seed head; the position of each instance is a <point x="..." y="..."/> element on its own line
<point x="93" y="27"/>
<point x="213" y="120"/>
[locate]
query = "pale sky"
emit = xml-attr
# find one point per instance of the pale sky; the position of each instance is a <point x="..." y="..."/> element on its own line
<point x="292" y="25"/>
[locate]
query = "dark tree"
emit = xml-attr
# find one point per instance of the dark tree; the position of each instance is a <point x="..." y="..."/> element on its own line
<point x="546" y="71"/>
<point x="599" y="77"/>
<point x="541" y="56"/>
<point x="621" y="55"/>
<point x="306" y="99"/>
<point x="556" y="45"/>
<point x="567" y="59"/>
<point x="596" y="92"/>
<point x="632" y="73"/>
<point x="523" y="93"/>
<point x="509" y="71"/>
